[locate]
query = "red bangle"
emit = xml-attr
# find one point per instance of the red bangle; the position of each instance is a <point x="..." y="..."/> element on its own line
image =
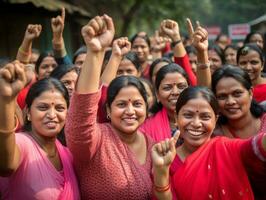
<point x="161" y="189"/>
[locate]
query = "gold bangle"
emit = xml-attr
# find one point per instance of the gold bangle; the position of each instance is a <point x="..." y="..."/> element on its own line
<point x="11" y="131"/>
<point x="161" y="189"/>
<point x="24" y="52"/>
<point x="203" y="65"/>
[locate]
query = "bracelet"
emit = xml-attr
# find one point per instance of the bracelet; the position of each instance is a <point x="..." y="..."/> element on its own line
<point x="175" y="43"/>
<point x="24" y="52"/>
<point x="13" y="130"/>
<point x="203" y="65"/>
<point x="162" y="189"/>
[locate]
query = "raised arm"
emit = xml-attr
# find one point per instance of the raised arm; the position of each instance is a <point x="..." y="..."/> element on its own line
<point x="163" y="154"/>
<point x="121" y="47"/>
<point x="12" y="80"/>
<point x="58" y="24"/>
<point x="170" y="29"/>
<point x="24" y="52"/>
<point x="200" y="42"/>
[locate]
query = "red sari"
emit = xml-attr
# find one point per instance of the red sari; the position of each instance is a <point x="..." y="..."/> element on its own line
<point x="221" y="169"/>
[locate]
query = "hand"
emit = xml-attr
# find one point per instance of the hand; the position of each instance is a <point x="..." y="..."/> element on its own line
<point x="170" y="29"/>
<point x="12" y="79"/>
<point x="58" y="25"/>
<point x="33" y="31"/>
<point x="164" y="152"/>
<point x="98" y="33"/>
<point x="158" y="43"/>
<point x="121" y="46"/>
<point x="199" y="37"/>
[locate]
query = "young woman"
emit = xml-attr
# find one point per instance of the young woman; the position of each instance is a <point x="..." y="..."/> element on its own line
<point x="230" y="52"/>
<point x="216" y="57"/>
<point x="171" y="80"/>
<point x="250" y="58"/>
<point x="33" y="163"/>
<point x="206" y="168"/>
<point x="255" y="37"/>
<point x="113" y="159"/>
<point x="68" y="75"/>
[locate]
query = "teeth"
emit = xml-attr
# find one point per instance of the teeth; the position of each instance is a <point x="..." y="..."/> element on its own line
<point x="195" y="132"/>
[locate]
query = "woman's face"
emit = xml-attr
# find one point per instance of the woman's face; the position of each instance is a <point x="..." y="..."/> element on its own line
<point x="215" y="60"/>
<point x="46" y="67"/>
<point x="127" y="111"/>
<point x="193" y="62"/>
<point x="48" y="113"/>
<point x="69" y="80"/>
<point x="169" y="90"/>
<point x="230" y="56"/>
<point x="257" y="39"/>
<point x="126" y="67"/>
<point x="196" y="121"/>
<point x="142" y="49"/>
<point x="80" y="60"/>
<point x="156" y="69"/>
<point x="233" y="98"/>
<point x="252" y="64"/>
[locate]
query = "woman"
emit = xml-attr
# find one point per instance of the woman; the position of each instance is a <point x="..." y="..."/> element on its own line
<point x="250" y="58"/>
<point x="68" y="75"/>
<point x="112" y="160"/>
<point x="171" y="80"/>
<point x="216" y="57"/>
<point x="34" y="158"/>
<point x="230" y="52"/>
<point x="156" y="66"/>
<point x="255" y="37"/>
<point x="207" y="168"/>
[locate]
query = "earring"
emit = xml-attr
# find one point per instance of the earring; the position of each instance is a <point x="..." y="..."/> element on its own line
<point x="28" y="118"/>
<point x="108" y="117"/>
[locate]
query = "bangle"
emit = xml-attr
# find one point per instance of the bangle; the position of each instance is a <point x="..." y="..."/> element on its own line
<point x="203" y="65"/>
<point x="24" y="52"/>
<point x="161" y="189"/>
<point x="175" y="43"/>
<point x="13" y="130"/>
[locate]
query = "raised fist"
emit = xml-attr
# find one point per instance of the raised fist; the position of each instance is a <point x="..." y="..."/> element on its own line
<point x="121" y="46"/>
<point x="33" y="31"/>
<point x="98" y="33"/>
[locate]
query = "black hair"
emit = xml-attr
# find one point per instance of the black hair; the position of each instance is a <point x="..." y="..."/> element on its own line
<point x="157" y="61"/>
<point x="144" y="37"/>
<point x="42" y="56"/>
<point x="38" y="88"/>
<point x="144" y="80"/>
<point x="246" y="48"/>
<point x="170" y="68"/>
<point x="134" y="59"/>
<point x="218" y="50"/>
<point x="194" y="93"/>
<point x="243" y="78"/>
<point x="219" y="36"/>
<point x="62" y="69"/>
<point x="81" y="50"/>
<point x="232" y="46"/>
<point x="121" y="82"/>
<point x="191" y="49"/>
<point x="248" y="37"/>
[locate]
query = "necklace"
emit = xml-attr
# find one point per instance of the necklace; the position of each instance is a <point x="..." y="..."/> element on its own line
<point x="43" y="147"/>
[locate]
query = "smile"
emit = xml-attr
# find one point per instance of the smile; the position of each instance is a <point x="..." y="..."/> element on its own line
<point x="195" y="133"/>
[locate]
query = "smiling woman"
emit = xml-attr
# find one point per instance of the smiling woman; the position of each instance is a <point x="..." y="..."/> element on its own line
<point x="223" y="166"/>
<point x="34" y="158"/>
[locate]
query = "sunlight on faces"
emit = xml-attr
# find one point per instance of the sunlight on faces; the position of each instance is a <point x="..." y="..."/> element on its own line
<point x="48" y="113"/>
<point x="196" y="120"/>
<point x="141" y="47"/>
<point x="215" y="60"/>
<point x="127" y="111"/>
<point x="252" y="64"/>
<point x="69" y="80"/>
<point x="169" y="90"/>
<point x="126" y="67"/>
<point x="233" y="98"/>
<point x="46" y="67"/>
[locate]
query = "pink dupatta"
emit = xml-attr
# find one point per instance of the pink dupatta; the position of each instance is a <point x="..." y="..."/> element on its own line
<point x="70" y="190"/>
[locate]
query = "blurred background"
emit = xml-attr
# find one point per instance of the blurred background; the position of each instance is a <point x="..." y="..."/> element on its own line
<point x="235" y="18"/>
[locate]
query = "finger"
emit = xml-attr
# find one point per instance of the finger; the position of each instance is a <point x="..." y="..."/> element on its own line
<point x="198" y="23"/>
<point x="94" y="25"/>
<point x="100" y="23"/>
<point x="176" y="136"/>
<point x="156" y="34"/>
<point x="5" y="74"/>
<point x="164" y="147"/>
<point x="20" y="72"/>
<point x="190" y="28"/>
<point x="109" y="23"/>
<point x="63" y="14"/>
<point x="158" y="148"/>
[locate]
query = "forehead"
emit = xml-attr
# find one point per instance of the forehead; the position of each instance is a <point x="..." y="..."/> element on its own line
<point x="48" y="59"/>
<point x="50" y="96"/>
<point x="198" y="104"/>
<point x="227" y="84"/>
<point x="70" y="75"/>
<point x="140" y="41"/>
<point x="213" y="53"/>
<point x="81" y="57"/>
<point x="125" y="63"/>
<point x="256" y="36"/>
<point x="173" y="77"/>
<point x="129" y="92"/>
<point x="251" y="54"/>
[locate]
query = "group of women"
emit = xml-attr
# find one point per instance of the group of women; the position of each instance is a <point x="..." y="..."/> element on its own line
<point x="194" y="136"/>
